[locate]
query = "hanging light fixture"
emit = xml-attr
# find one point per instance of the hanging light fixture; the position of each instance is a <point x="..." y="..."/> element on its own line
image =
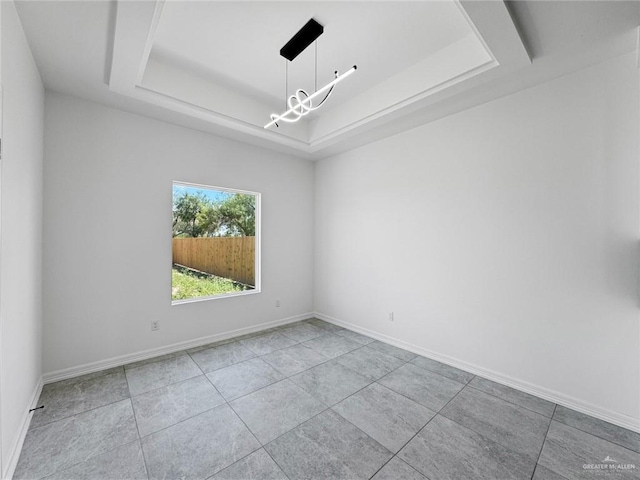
<point x="301" y="103"/>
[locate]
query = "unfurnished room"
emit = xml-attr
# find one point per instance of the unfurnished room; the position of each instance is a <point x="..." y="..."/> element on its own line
<point x="320" y="240"/>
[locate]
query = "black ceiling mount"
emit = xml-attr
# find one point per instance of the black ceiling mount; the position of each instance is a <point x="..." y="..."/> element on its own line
<point x="301" y="40"/>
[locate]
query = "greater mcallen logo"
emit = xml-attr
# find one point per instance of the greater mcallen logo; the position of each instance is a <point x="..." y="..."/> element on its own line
<point x="609" y="464"/>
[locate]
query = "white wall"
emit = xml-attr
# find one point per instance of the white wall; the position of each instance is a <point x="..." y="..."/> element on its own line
<point x="504" y="238"/>
<point x="107" y="232"/>
<point x="21" y="234"/>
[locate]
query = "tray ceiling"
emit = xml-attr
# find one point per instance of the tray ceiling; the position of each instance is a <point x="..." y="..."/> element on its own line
<point x="220" y="61"/>
<point x="214" y="66"/>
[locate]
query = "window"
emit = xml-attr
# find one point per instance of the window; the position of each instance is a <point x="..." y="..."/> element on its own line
<point x="216" y="247"/>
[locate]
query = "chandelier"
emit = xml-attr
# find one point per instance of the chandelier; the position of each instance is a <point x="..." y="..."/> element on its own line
<point x="302" y="103"/>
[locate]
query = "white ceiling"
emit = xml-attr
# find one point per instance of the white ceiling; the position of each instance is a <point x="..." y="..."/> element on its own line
<point x="215" y="66"/>
<point x="237" y="44"/>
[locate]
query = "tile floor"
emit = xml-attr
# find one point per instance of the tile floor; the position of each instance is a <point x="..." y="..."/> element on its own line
<point x="311" y="401"/>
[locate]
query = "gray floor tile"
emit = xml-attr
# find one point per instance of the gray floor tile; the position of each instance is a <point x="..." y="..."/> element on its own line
<point x="384" y="415"/>
<point x="444" y="450"/>
<point x="567" y="450"/>
<point x="512" y="395"/>
<point x="123" y="463"/>
<point x="327" y="447"/>
<point x="396" y="469"/>
<point x="265" y="331"/>
<point x="393" y="351"/>
<point x="158" y="374"/>
<point x="332" y="346"/>
<point x="510" y="425"/>
<point x="62" y="444"/>
<point x="267" y="343"/>
<point x="302" y="331"/>
<point x="543" y="473"/>
<point x="330" y="382"/>
<point x="599" y="428"/>
<point x="329" y="327"/>
<point x="198" y="447"/>
<point x="243" y="378"/>
<point x="487" y="431"/>
<point x="295" y="359"/>
<point x="219" y="343"/>
<point x="221" y="356"/>
<point x="355" y="336"/>
<point x="147" y="361"/>
<point x="423" y="386"/>
<point x="442" y="369"/>
<point x="276" y="409"/>
<point x="169" y="405"/>
<point x="257" y="466"/>
<point x="369" y="362"/>
<point x="75" y="395"/>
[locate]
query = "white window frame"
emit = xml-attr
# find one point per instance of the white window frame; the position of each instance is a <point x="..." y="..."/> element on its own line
<point x="258" y="243"/>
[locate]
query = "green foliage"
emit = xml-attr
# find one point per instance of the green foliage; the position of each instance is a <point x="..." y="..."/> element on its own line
<point x="197" y="216"/>
<point x="238" y="215"/>
<point x="186" y="284"/>
<point x="187" y="215"/>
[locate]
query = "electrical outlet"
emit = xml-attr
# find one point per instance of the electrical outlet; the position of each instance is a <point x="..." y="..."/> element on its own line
<point x="155" y="325"/>
<point x="277" y="303"/>
<point x="391" y="316"/>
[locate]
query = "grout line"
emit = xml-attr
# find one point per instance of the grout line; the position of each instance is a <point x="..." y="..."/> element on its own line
<point x="296" y="426"/>
<point x="514" y="403"/>
<point x="418" y="432"/>
<point x="144" y="458"/>
<point x="443" y="375"/>
<point x="78" y="413"/>
<point x="148" y="361"/>
<point x="390" y="354"/>
<point x="239" y="418"/>
<point x="535" y="467"/>
<point x="164" y="385"/>
<point x="86" y="459"/>
<point x="135" y="419"/>
<point x="383" y="465"/>
<point x="615" y="442"/>
<point x="421" y="429"/>
<point x="299" y="425"/>
<point x="91" y="409"/>
<point x="403" y="395"/>
<point x="367" y="386"/>
<point x="130" y="397"/>
<point x="295" y="384"/>
<point x="401" y="460"/>
<point x="276" y="462"/>
<point x="259" y="442"/>
<point x="483" y="434"/>
<point x="325" y="332"/>
<point x="182" y="421"/>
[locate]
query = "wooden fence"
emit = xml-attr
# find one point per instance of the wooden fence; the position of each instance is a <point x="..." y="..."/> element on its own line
<point x="228" y="257"/>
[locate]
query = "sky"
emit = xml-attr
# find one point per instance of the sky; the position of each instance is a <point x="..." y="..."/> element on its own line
<point x="211" y="193"/>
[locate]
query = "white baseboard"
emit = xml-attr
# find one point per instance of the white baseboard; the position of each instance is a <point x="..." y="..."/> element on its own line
<point x="16" y="448"/>
<point x="155" y="352"/>
<point x="582" y="406"/>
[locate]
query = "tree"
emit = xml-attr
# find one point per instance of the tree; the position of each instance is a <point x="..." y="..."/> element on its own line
<point x="194" y="215"/>
<point x="187" y="214"/>
<point x="238" y="215"/>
